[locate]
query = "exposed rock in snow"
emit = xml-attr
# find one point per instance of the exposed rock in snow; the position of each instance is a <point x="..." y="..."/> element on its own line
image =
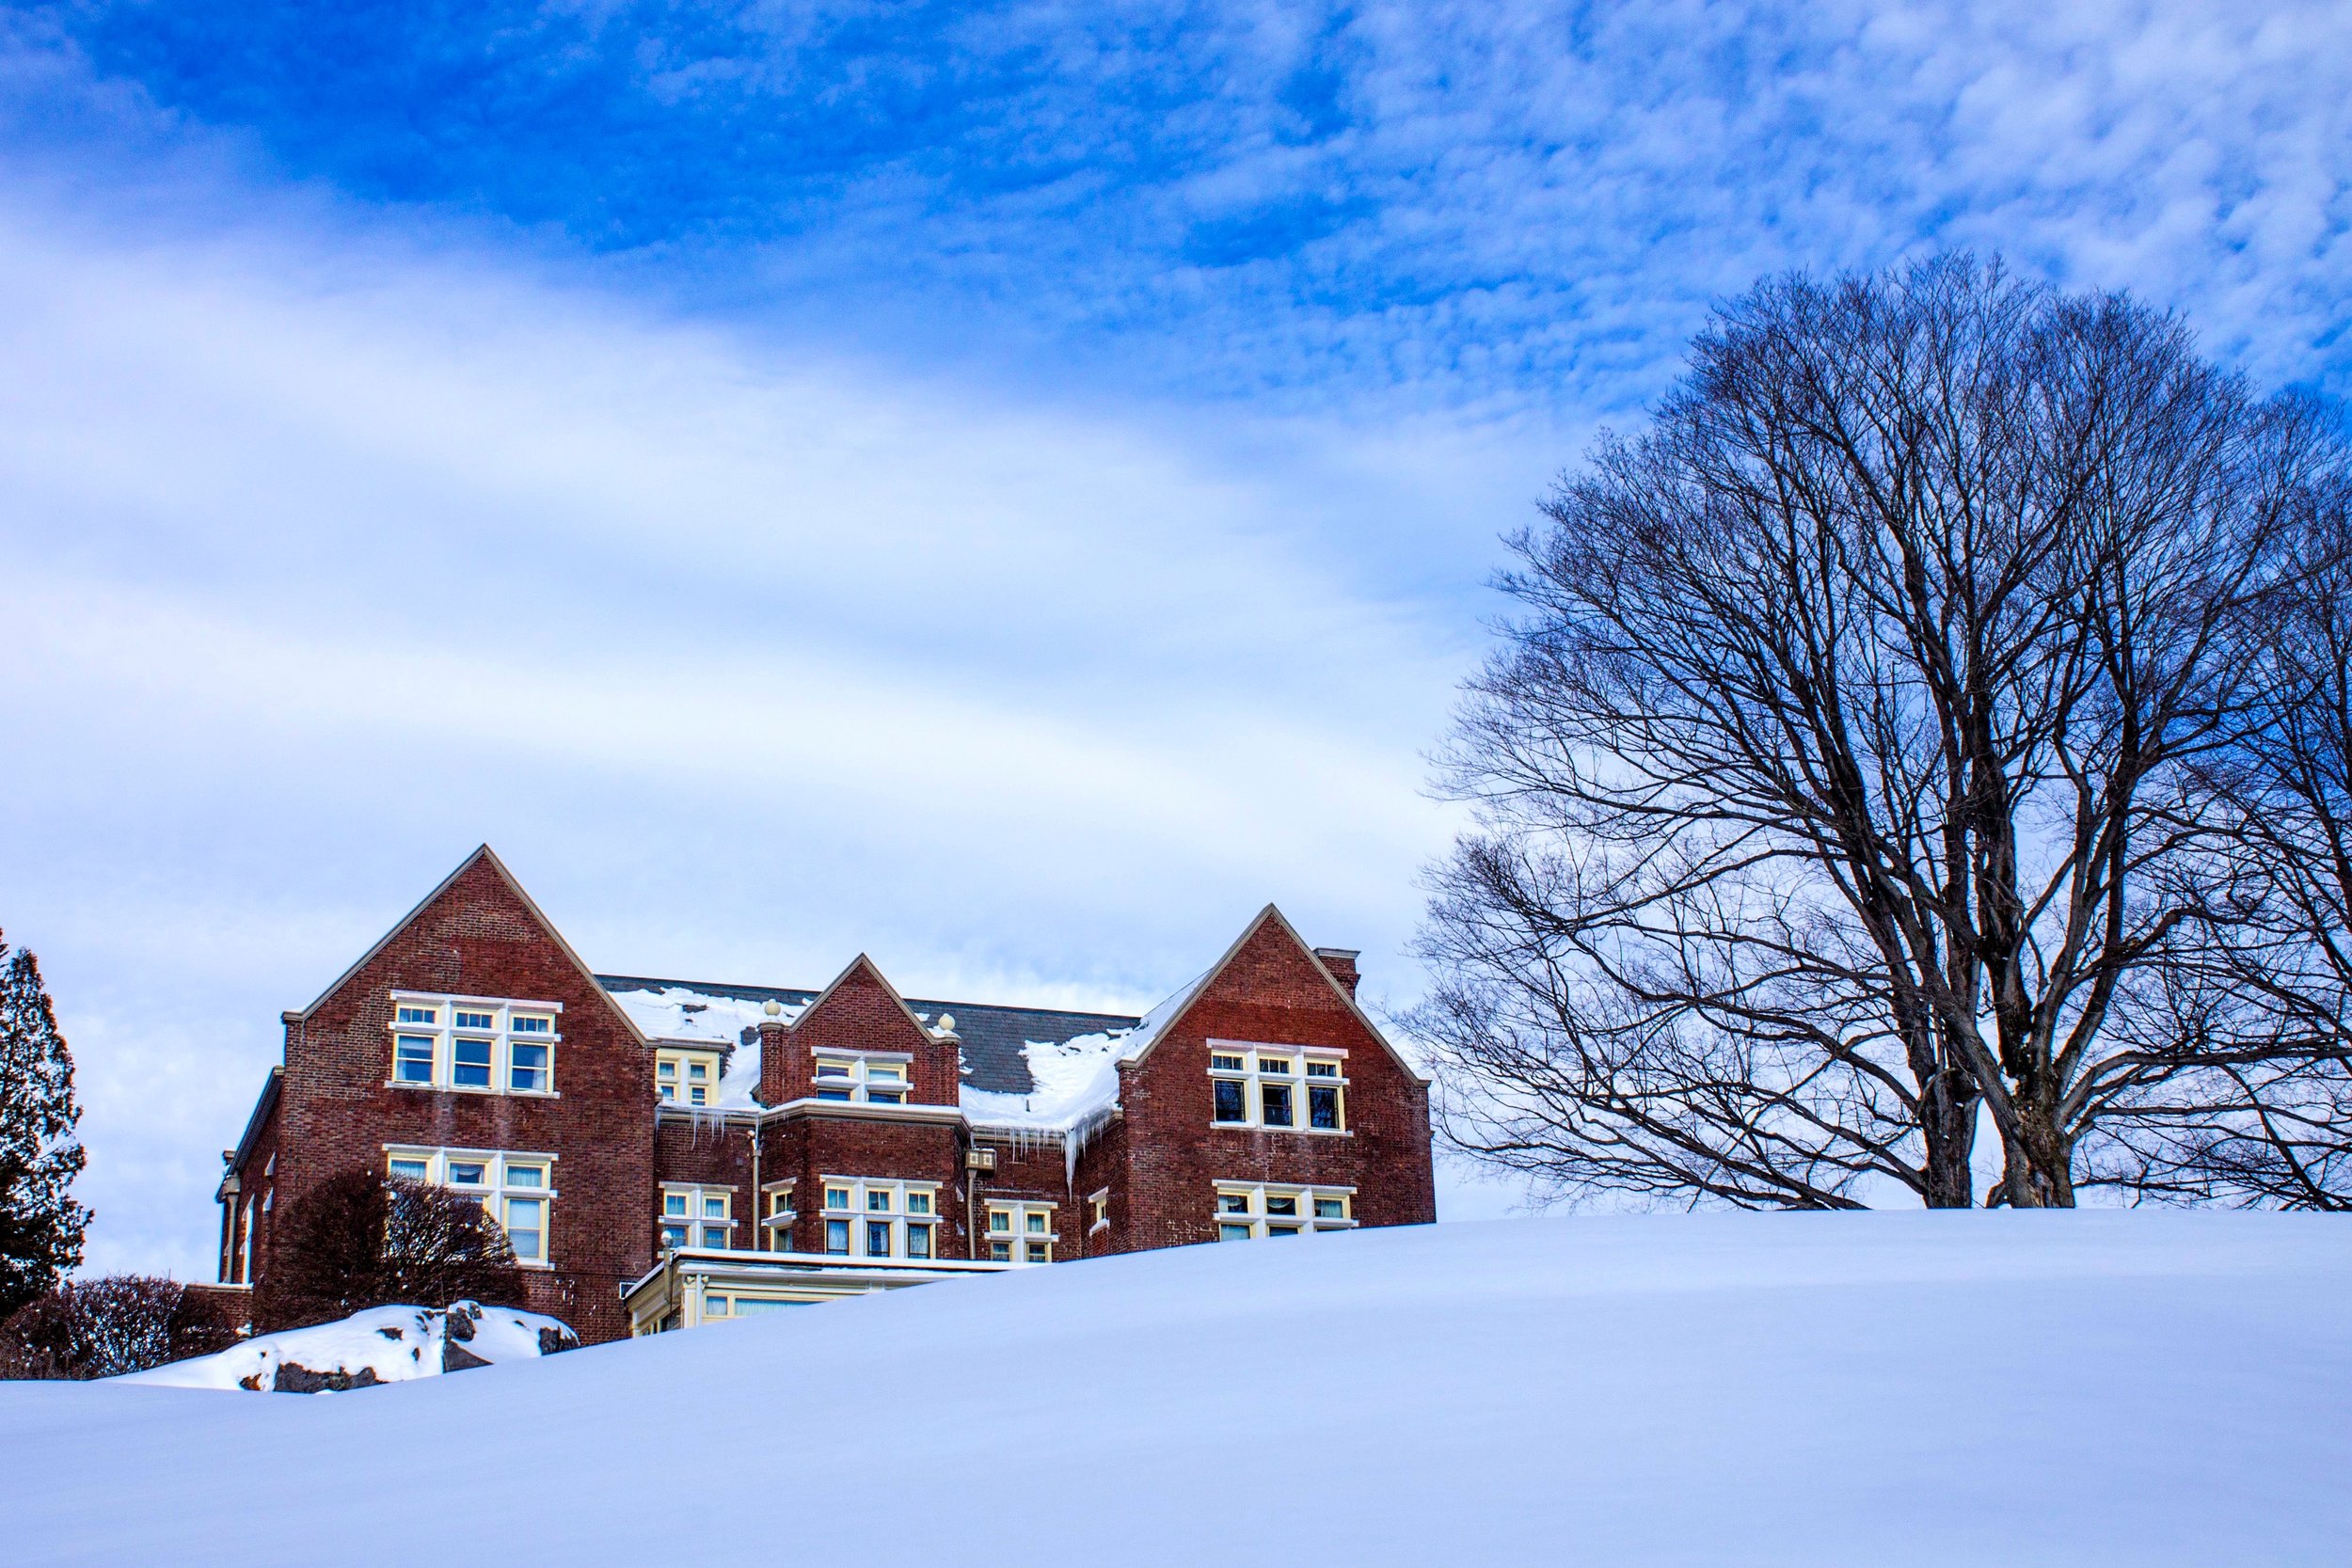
<point x="384" y="1344"/>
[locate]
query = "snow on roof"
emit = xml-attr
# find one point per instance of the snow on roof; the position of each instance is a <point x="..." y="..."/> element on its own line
<point x="1029" y="1067"/>
<point x="1077" y="1079"/>
<point x="383" y="1344"/>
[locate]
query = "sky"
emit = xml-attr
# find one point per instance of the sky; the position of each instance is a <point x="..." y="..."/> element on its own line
<point x="1008" y="489"/>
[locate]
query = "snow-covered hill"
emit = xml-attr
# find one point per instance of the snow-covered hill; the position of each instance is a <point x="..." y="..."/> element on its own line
<point x="1880" y="1389"/>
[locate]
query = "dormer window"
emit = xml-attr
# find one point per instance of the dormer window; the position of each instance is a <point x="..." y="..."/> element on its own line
<point x="482" y="1045"/>
<point x="862" y="1079"/>
<point x="686" y="1077"/>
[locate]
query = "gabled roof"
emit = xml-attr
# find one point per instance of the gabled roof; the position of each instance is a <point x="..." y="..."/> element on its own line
<point x="873" y="973"/>
<point x="483" y="852"/>
<point x="1169" y="1014"/>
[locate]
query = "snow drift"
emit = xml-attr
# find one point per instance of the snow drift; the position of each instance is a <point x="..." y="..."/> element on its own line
<point x="384" y="1344"/>
<point x="1916" y="1390"/>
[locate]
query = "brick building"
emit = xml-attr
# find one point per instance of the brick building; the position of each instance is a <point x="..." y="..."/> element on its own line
<point x="664" y="1154"/>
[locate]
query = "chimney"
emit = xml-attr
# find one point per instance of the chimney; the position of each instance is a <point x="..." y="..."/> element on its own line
<point x="1341" y="961"/>
<point x="772" y="1032"/>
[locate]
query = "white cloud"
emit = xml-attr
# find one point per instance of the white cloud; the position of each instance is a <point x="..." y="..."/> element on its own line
<point x="315" y="573"/>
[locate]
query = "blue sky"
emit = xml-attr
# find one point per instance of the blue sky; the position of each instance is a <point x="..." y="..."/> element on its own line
<point x="1006" y="487"/>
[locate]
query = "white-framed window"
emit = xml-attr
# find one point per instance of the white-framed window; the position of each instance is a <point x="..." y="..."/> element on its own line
<point x="684" y="1076"/>
<point x="864" y="1077"/>
<point x="516" y="1189"/>
<point x="737" y="1305"/>
<point x="1098" y="1210"/>
<point x="1249" y="1210"/>
<point x="1284" y="1087"/>
<point x="480" y="1044"/>
<point x="776" y="1216"/>
<point x="1021" y="1232"/>
<point x="868" y="1216"/>
<point x="693" y="1215"/>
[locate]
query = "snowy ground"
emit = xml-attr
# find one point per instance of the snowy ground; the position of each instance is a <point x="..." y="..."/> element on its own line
<point x="1880" y="1389"/>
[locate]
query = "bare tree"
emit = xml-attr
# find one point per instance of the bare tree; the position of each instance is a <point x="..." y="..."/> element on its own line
<point x="2260" y="988"/>
<point x="359" y="1239"/>
<point x="1819" y="781"/>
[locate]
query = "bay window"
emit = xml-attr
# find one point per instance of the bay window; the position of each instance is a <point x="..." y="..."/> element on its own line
<point x="516" y="1190"/>
<point x="1286" y="1088"/>
<point x="482" y="1045"/>
<point x="1249" y="1210"/>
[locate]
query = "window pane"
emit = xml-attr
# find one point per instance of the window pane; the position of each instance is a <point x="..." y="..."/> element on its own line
<point x="919" y="1241"/>
<point x="529" y="1068"/>
<point x="714" y="1208"/>
<point x="468" y="1173"/>
<point x="833" y="1094"/>
<point x="837" y="1236"/>
<point x="524" y="1220"/>
<point x="698" y="1096"/>
<point x="1323" y="1070"/>
<point x="475" y="1020"/>
<point x="918" y="1203"/>
<point x="715" y="1306"/>
<point x="1232" y="1203"/>
<point x="667" y="1069"/>
<point x="1281" y="1205"/>
<point x="878" y="1198"/>
<point x="1330" y="1208"/>
<point x="832" y="1069"/>
<point x="698" y="1071"/>
<point x="714" y="1235"/>
<point x="1232" y="1233"/>
<point x="1037" y="1223"/>
<point x="415" y="1015"/>
<point x="1275" y="1100"/>
<point x="1225" y="1064"/>
<point x="412" y="1170"/>
<point x="1278" y="1066"/>
<point x="1281" y="1230"/>
<point x="471" y="1066"/>
<point x="526" y="1176"/>
<point x="531" y="1024"/>
<point x="892" y="1098"/>
<point x="878" y="1239"/>
<point x="1323" y="1107"/>
<point x="886" y="1072"/>
<point x="1000" y="1252"/>
<point x="674" y="1203"/>
<point x="999" y="1220"/>
<point x="673" y="1235"/>
<point x="1041" y="1252"/>
<point x="412" y="1059"/>
<point x="1229" y="1100"/>
<point x="836" y="1197"/>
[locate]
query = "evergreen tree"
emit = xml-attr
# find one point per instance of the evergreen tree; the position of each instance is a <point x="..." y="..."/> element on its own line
<point x="40" y="1225"/>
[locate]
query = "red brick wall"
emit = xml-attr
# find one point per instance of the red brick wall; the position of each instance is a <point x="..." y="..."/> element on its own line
<point x="478" y="937"/>
<point x="860" y="1012"/>
<point x="805" y="1149"/>
<point x="1035" y="1174"/>
<point x="1273" y="992"/>
<point x="255" y="1182"/>
<point x="713" y="1154"/>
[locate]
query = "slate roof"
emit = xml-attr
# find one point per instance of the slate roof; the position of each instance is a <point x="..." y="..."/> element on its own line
<point x="992" y="1036"/>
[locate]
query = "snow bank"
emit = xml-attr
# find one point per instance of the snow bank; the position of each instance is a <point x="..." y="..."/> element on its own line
<point x="384" y="1344"/>
<point x="1871" y="1390"/>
